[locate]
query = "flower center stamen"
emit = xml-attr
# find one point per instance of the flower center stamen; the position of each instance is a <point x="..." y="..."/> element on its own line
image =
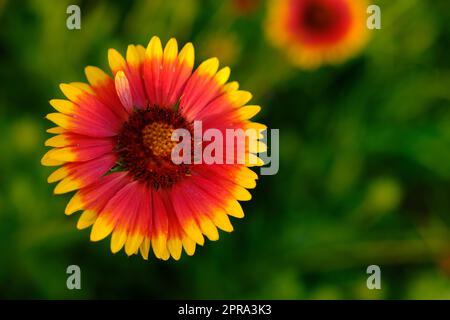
<point x="156" y="137"/>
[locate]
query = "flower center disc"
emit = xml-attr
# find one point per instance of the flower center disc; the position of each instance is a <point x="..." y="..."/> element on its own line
<point x="144" y="146"/>
<point x="320" y="21"/>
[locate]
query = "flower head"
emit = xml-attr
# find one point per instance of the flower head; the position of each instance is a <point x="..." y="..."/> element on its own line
<point x="316" y="32"/>
<point x="114" y="145"/>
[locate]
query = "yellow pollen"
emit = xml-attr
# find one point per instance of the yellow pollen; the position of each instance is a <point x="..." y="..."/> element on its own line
<point x="157" y="137"/>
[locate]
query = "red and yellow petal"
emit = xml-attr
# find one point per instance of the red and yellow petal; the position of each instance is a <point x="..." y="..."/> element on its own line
<point x="94" y="197"/>
<point x="84" y="150"/>
<point x="205" y="84"/>
<point x="90" y="116"/>
<point x="76" y="175"/>
<point x="104" y="88"/>
<point x="166" y="71"/>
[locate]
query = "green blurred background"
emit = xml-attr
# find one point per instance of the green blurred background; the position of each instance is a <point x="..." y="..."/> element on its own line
<point x="364" y="157"/>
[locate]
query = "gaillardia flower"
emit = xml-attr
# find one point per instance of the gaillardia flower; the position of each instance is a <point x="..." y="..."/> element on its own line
<point x="316" y="32"/>
<point x="114" y="143"/>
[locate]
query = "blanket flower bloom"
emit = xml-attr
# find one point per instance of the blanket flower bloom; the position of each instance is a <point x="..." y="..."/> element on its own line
<point x="317" y="32"/>
<point x="113" y="145"/>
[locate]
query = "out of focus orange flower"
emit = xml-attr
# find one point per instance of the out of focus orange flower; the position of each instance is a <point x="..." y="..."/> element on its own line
<point x="317" y="32"/>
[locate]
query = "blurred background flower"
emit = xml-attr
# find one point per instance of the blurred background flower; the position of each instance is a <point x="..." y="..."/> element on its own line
<point x="316" y="32"/>
<point x="364" y="160"/>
